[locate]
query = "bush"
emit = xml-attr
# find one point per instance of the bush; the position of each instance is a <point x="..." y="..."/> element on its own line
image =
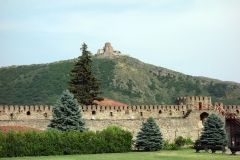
<point x="53" y="142"/>
<point x="170" y="146"/>
<point x="166" y="145"/>
<point x="117" y="140"/>
<point x="2" y="144"/>
<point x="180" y="141"/>
<point x="177" y="144"/>
<point x="188" y="141"/>
<point x="174" y="146"/>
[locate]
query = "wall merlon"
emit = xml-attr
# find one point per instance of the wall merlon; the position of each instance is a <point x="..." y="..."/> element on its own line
<point x="11" y="108"/>
<point x="121" y="112"/>
<point x="174" y="120"/>
<point x="179" y="119"/>
<point x="231" y="107"/>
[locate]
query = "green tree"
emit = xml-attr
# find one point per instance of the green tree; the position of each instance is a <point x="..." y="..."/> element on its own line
<point x="84" y="85"/>
<point x="67" y="114"/>
<point x="150" y="137"/>
<point x="213" y="132"/>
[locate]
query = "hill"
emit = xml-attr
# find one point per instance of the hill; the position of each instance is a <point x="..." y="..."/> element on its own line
<point x="123" y="79"/>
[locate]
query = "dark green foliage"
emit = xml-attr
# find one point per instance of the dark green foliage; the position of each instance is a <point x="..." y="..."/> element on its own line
<point x="122" y="79"/>
<point x="33" y="84"/>
<point x="104" y="70"/>
<point x="218" y="90"/>
<point x="170" y="146"/>
<point x="150" y="137"/>
<point x="53" y="142"/>
<point x="3" y="144"/>
<point x="184" y="85"/>
<point x="213" y="133"/>
<point x="66" y="114"/>
<point x="127" y="92"/>
<point x="153" y="85"/>
<point x="177" y="144"/>
<point x="188" y="141"/>
<point x="83" y="84"/>
<point x="117" y="140"/>
<point x="180" y="141"/>
<point x="158" y="97"/>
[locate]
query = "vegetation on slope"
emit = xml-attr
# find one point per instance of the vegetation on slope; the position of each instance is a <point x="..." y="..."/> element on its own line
<point x="124" y="79"/>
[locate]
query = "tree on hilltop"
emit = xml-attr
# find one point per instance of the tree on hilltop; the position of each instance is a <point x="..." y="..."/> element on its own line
<point x="84" y="85"/>
<point x="213" y="132"/>
<point x="150" y="137"/>
<point x="67" y="114"/>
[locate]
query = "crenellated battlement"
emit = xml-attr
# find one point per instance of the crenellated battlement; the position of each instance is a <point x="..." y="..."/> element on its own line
<point x="121" y="112"/>
<point x="185" y="118"/>
<point x="25" y="112"/>
<point x="95" y="112"/>
<point x="133" y="112"/>
<point x="134" y="107"/>
<point x="25" y="108"/>
<point x="232" y="108"/>
<point x="194" y="100"/>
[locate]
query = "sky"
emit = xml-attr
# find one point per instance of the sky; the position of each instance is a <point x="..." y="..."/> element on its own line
<point x="194" y="37"/>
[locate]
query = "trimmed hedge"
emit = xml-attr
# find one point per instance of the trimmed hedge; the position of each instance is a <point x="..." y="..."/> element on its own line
<point x="53" y="142"/>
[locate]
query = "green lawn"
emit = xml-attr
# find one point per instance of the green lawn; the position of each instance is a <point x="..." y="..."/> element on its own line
<point x="184" y="154"/>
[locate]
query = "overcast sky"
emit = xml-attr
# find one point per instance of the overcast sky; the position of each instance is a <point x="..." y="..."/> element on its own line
<point x="195" y="37"/>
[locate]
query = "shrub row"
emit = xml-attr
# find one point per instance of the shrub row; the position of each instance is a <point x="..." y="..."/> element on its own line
<point x="178" y="143"/>
<point x="53" y="142"/>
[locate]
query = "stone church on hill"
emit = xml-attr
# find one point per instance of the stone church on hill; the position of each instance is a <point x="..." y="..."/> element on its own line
<point x="108" y="52"/>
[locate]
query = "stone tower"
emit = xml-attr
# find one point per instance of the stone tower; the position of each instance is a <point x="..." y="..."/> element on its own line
<point x="108" y="48"/>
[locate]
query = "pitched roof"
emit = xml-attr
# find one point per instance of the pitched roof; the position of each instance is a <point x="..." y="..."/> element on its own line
<point x="109" y="102"/>
<point x="6" y="129"/>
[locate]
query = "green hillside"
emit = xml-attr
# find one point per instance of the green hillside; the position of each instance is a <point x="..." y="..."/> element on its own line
<point x="124" y="79"/>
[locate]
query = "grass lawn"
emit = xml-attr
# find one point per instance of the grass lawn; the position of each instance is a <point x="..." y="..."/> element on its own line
<point x="184" y="154"/>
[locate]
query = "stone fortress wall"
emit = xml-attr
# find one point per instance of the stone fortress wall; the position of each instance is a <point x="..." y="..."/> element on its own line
<point x="185" y="118"/>
<point x="108" y="52"/>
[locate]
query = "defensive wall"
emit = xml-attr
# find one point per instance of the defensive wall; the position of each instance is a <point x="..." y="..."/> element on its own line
<point x="185" y="119"/>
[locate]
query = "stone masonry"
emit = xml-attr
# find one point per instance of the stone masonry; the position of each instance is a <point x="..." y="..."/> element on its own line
<point x="108" y="52"/>
<point x="185" y="118"/>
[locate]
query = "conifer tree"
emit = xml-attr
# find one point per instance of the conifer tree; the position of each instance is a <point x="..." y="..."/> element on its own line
<point x="83" y="84"/>
<point x="214" y="133"/>
<point x="150" y="137"/>
<point x="67" y="114"/>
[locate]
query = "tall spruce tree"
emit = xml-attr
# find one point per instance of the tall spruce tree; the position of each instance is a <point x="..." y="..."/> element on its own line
<point x="67" y="114"/>
<point x="214" y="133"/>
<point x="150" y="137"/>
<point x="83" y="84"/>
